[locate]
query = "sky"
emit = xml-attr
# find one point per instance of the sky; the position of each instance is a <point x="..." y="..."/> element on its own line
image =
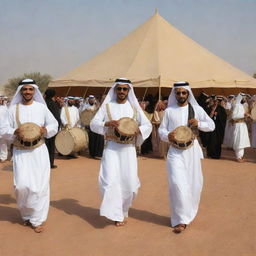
<point x="55" y="36"/>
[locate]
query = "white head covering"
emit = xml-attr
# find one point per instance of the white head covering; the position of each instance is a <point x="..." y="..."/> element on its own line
<point x="111" y="96"/>
<point x="17" y="98"/>
<point x="239" y="97"/>
<point x="172" y="98"/>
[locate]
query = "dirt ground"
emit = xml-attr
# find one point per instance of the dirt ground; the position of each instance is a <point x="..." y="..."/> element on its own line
<point x="225" y="224"/>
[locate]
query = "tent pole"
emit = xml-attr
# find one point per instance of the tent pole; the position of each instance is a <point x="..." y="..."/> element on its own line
<point x="159" y="93"/>
<point x="145" y="94"/>
<point x="85" y="91"/>
<point x="104" y="91"/>
<point x="68" y="91"/>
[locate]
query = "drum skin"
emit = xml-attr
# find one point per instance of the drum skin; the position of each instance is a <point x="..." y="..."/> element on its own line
<point x="127" y="126"/>
<point x="183" y="137"/>
<point x="86" y="116"/>
<point x="70" y="141"/>
<point x="30" y="131"/>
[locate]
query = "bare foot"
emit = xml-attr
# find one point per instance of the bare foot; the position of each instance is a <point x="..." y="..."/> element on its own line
<point x="27" y="223"/>
<point x="38" y="229"/>
<point x="240" y="160"/>
<point x="120" y="223"/>
<point x="179" y="228"/>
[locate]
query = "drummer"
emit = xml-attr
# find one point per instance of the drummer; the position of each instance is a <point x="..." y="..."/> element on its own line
<point x="69" y="114"/>
<point x="118" y="178"/>
<point x="184" y="165"/>
<point x="31" y="166"/>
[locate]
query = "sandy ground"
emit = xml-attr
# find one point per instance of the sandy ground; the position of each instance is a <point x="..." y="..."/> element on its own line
<point x="225" y="224"/>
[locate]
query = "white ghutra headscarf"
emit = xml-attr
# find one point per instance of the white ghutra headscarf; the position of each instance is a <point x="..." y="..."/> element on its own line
<point x="172" y="98"/>
<point x="17" y="98"/>
<point x="111" y="96"/>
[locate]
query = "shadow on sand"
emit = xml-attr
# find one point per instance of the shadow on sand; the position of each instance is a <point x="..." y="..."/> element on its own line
<point x="91" y="215"/>
<point x="7" y="213"/>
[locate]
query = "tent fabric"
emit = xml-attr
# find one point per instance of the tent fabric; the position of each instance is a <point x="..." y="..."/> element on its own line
<point x="156" y="54"/>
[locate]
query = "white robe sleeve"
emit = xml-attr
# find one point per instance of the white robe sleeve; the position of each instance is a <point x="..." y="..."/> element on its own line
<point x="7" y="126"/>
<point x="51" y="124"/>
<point x="63" y="116"/>
<point x="97" y="124"/>
<point x="205" y="123"/>
<point x="145" y="127"/>
<point x="163" y="129"/>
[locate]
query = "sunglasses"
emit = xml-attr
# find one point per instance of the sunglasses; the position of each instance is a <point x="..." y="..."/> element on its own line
<point x="125" y="89"/>
<point x="181" y="93"/>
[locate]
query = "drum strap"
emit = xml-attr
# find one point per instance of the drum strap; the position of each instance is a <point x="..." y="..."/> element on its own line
<point x="110" y="117"/>
<point x="67" y="115"/>
<point x="18" y="115"/>
<point x="191" y="113"/>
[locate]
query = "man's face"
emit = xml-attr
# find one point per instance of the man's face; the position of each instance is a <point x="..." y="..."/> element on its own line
<point x="181" y="95"/>
<point x="122" y="91"/>
<point x="27" y="92"/>
<point x="71" y="102"/>
<point x="91" y="101"/>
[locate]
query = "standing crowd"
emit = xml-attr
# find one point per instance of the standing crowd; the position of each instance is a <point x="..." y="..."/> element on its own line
<point x="118" y="129"/>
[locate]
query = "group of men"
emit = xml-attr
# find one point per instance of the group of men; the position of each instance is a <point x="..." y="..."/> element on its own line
<point x="118" y="177"/>
<point x="233" y="119"/>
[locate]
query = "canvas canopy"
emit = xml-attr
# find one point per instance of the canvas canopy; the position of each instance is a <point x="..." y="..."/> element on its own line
<point x="153" y="57"/>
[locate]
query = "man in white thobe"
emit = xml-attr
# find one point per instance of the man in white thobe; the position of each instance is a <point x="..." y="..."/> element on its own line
<point x="31" y="167"/>
<point x="3" y="141"/>
<point x="240" y="138"/>
<point x="184" y="165"/>
<point x="118" y="178"/>
<point x="69" y="114"/>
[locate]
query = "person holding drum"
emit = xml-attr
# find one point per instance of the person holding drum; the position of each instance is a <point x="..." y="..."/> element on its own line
<point x="182" y="118"/>
<point x="121" y="120"/>
<point x="29" y="122"/>
<point x="240" y="138"/>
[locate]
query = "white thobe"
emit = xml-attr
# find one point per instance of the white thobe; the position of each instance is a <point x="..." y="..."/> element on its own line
<point x="3" y="141"/>
<point x="184" y="166"/>
<point x="118" y="177"/>
<point x="74" y="116"/>
<point x="240" y="131"/>
<point x="31" y="168"/>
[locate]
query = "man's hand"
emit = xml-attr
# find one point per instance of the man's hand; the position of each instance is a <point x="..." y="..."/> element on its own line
<point x="137" y="132"/>
<point x="193" y="122"/>
<point x="112" y="123"/>
<point x="171" y="136"/>
<point x="18" y="134"/>
<point x="43" y="130"/>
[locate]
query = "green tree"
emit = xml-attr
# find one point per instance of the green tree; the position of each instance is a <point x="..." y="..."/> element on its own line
<point x="41" y="80"/>
<point x="254" y="75"/>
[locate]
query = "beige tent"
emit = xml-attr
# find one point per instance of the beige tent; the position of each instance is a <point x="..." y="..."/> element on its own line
<point x="154" y="56"/>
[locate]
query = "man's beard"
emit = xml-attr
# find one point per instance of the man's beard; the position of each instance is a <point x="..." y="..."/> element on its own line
<point x="182" y="100"/>
<point x="120" y="97"/>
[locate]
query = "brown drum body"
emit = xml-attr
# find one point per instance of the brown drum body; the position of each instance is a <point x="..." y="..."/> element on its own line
<point x="183" y="137"/>
<point x="125" y="132"/>
<point x="31" y="136"/>
<point x="70" y="141"/>
<point x="86" y="116"/>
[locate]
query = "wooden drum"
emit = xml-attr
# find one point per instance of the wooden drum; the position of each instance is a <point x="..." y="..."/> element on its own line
<point x="69" y="141"/>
